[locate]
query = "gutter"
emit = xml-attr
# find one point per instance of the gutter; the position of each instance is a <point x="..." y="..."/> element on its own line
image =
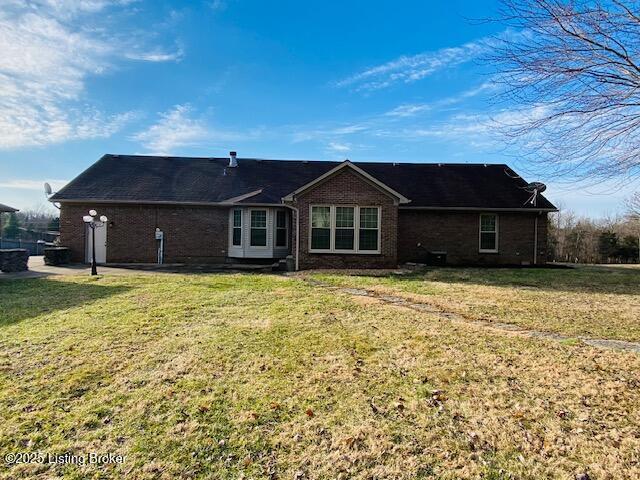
<point x="535" y="241"/>
<point x="295" y="209"/>
<point x="482" y="209"/>
<point x="234" y="202"/>
<point x="224" y="203"/>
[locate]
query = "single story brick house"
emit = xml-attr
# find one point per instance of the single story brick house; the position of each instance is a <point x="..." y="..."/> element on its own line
<point x="324" y="214"/>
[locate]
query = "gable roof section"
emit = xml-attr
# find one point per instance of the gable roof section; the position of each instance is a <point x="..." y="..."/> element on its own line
<point x="185" y="180"/>
<point x="7" y="209"/>
<point x="347" y="164"/>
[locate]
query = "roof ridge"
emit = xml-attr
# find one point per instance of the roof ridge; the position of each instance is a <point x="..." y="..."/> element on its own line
<point x="372" y="162"/>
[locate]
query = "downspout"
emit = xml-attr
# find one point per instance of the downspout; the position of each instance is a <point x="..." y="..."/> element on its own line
<point x="535" y="240"/>
<point x="295" y="209"/>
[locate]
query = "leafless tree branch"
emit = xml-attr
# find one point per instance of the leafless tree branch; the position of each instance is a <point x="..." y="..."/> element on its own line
<point x="633" y="205"/>
<point x="572" y="68"/>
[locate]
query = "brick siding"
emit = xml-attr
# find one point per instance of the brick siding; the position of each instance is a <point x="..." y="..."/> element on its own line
<point x="349" y="188"/>
<point x="200" y="234"/>
<point x="191" y="234"/>
<point x="457" y="233"/>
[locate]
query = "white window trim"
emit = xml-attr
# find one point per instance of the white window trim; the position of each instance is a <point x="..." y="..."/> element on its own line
<point x="379" y="209"/>
<point x="356" y="230"/>
<point x="231" y="227"/>
<point x="266" y="229"/>
<point x="275" y="229"/>
<point x="497" y="232"/>
<point x="321" y="250"/>
<point x="334" y="228"/>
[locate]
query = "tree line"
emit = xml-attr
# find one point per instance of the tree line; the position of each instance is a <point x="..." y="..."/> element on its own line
<point x="585" y="240"/>
<point x="29" y="224"/>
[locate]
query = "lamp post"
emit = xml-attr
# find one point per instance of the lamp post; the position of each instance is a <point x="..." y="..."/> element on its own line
<point x="90" y="220"/>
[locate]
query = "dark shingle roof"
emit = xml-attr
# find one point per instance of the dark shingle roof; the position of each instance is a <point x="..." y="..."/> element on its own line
<point x="143" y="179"/>
<point x="7" y="209"/>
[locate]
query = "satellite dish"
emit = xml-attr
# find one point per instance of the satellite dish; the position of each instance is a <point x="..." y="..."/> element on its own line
<point x="48" y="192"/>
<point x="535" y="188"/>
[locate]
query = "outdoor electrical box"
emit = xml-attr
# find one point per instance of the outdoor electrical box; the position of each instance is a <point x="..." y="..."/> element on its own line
<point x="438" y="259"/>
<point x="160" y="239"/>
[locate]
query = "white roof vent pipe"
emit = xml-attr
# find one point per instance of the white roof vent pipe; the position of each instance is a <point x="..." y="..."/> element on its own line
<point x="233" y="161"/>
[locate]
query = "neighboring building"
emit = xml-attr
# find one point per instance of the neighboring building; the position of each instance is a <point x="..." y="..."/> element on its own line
<point x="325" y="214"/>
<point x="5" y="209"/>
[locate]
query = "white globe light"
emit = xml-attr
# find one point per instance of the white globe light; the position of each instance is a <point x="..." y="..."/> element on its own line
<point x="103" y="218"/>
<point x="87" y="219"/>
<point x="93" y="213"/>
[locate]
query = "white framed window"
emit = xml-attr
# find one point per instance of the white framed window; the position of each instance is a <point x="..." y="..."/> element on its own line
<point x="282" y="231"/>
<point x="344" y="233"/>
<point x="258" y="228"/>
<point x="369" y="234"/>
<point x="320" y="234"/>
<point x="344" y="229"/>
<point x="236" y="227"/>
<point x="488" y="241"/>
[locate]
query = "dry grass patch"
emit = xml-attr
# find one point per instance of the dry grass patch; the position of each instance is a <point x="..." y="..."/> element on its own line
<point x="595" y="302"/>
<point x="247" y="376"/>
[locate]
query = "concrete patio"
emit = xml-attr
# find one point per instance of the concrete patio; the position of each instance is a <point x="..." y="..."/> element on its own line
<point x="37" y="268"/>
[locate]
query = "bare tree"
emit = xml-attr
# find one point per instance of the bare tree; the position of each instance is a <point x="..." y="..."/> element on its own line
<point x="572" y="68"/>
<point x="633" y="205"/>
<point x="592" y="240"/>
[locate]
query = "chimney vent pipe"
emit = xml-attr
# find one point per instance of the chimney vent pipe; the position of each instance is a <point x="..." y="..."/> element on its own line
<point x="233" y="162"/>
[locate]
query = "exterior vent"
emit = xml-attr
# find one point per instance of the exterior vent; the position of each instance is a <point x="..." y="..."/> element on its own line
<point x="233" y="162"/>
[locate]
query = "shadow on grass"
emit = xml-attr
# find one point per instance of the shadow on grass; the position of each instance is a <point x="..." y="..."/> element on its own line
<point x="28" y="298"/>
<point x="620" y="281"/>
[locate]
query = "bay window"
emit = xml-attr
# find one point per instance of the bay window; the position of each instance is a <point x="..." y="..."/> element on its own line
<point x="488" y="233"/>
<point x="237" y="228"/>
<point x="258" y="233"/>
<point x="344" y="229"/>
<point x="281" y="228"/>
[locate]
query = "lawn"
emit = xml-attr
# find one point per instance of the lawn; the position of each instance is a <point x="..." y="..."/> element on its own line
<point x="594" y="302"/>
<point x="268" y="377"/>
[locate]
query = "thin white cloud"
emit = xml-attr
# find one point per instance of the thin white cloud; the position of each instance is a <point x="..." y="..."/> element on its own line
<point x="339" y="147"/>
<point x="414" y="109"/>
<point x="217" y="5"/>
<point x="401" y="122"/>
<point x="65" y="6"/>
<point x="48" y="51"/>
<point x="408" y="110"/>
<point x="156" y="56"/>
<point x="411" y="68"/>
<point x="28" y="184"/>
<point x="180" y="127"/>
<point x="468" y="129"/>
<point x="302" y="134"/>
<point x="175" y="129"/>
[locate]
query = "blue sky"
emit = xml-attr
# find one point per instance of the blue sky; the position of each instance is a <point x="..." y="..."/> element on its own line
<point x="368" y="81"/>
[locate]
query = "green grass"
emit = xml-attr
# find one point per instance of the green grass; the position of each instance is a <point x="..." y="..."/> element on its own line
<point x="595" y="302"/>
<point x="258" y="376"/>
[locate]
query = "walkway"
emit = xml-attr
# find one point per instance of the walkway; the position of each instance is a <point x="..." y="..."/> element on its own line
<point x="425" y="307"/>
<point x="37" y="269"/>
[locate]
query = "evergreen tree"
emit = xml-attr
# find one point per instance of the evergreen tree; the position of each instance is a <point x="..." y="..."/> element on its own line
<point x="12" y="227"/>
<point x="628" y="249"/>
<point x="607" y="245"/>
<point x="54" y="224"/>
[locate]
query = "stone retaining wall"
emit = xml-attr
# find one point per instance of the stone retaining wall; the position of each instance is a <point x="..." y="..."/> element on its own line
<point x="14" y="260"/>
